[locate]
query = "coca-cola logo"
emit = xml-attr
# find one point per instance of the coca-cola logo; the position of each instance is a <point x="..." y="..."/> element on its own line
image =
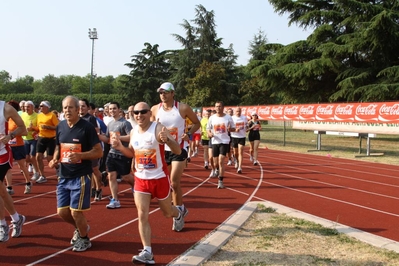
<point x="325" y="110"/>
<point x="344" y="110"/>
<point x="291" y="110"/>
<point x="264" y="110"/>
<point x="277" y="110"/>
<point x="306" y="110"/>
<point x="389" y="110"/>
<point x="370" y="109"/>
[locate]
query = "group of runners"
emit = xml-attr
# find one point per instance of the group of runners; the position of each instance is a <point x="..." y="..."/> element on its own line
<point x="148" y="147"/>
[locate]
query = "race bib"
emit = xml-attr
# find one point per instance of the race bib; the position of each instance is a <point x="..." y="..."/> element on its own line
<point x="67" y="149"/>
<point x="146" y="159"/>
<point x="174" y="132"/>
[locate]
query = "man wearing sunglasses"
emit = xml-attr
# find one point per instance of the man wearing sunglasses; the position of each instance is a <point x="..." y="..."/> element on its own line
<point x="173" y="114"/>
<point x="147" y="143"/>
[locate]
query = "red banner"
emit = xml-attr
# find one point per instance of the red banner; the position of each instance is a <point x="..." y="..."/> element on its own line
<point x="376" y="112"/>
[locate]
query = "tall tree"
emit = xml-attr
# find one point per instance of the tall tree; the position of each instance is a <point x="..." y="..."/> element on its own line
<point x="352" y="54"/>
<point x="148" y="70"/>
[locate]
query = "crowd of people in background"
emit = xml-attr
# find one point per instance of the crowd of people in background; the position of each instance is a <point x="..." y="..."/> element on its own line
<point x="102" y="146"/>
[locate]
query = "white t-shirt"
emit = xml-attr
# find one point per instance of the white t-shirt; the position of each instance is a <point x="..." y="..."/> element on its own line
<point x="240" y="123"/>
<point x="219" y="126"/>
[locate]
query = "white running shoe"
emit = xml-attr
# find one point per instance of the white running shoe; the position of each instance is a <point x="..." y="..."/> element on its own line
<point x="35" y="176"/>
<point x="229" y="162"/>
<point x="220" y="184"/>
<point x="251" y="158"/>
<point x="41" y="179"/>
<point x="212" y="174"/>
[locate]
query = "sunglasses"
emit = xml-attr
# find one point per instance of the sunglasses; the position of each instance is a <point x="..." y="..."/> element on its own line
<point x="142" y="112"/>
<point x="164" y="92"/>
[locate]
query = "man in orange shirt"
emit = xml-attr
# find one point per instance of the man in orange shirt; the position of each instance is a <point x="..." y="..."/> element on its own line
<point x="47" y="122"/>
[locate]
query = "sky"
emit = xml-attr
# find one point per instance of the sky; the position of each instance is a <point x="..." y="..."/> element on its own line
<point x="45" y="37"/>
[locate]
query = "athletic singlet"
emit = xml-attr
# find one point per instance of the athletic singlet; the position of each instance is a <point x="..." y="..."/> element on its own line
<point x="149" y="159"/>
<point x="173" y="121"/>
<point x="5" y="152"/>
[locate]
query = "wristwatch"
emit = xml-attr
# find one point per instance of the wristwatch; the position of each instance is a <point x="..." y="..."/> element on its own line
<point x="188" y="134"/>
<point x="11" y="135"/>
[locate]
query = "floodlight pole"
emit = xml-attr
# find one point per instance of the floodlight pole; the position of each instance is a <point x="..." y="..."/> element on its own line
<point x="92" y="36"/>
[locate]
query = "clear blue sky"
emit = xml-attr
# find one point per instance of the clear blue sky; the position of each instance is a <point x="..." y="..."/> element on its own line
<point x="51" y="37"/>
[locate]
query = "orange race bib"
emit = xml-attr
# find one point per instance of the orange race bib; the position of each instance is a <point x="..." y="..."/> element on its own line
<point x="68" y="148"/>
<point x="146" y="159"/>
<point x="174" y="132"/>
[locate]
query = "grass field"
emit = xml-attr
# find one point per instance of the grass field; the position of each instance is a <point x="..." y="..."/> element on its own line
<point x="295" y="140"/>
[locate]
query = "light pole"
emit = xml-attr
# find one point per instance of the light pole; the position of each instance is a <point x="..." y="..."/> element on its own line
<point x="92" y="36"/>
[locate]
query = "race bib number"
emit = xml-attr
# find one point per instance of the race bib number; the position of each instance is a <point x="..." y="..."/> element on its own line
<point x="174" y="132"/>
<point x="145" y="159"/>
<point x="67" y="149"/>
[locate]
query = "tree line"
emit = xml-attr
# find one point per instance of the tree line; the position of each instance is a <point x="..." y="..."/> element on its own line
<point x="351" y="55"/>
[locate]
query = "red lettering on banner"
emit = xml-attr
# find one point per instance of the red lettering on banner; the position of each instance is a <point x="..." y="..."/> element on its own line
<point x="344" y="112"/>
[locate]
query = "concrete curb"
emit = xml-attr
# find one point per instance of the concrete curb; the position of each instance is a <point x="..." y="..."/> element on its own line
<point x="210" y="244"/>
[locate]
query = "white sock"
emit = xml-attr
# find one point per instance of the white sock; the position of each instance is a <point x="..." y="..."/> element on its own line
<point x="15" y="217"/>
<point x="149" y="249"/>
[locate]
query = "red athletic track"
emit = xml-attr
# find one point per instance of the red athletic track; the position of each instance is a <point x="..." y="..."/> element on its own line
<point x="359" y="194"/>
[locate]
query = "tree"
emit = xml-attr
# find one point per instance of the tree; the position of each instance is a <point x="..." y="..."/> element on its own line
<point x="352" y="54"/>
<point x="148" y="70"/>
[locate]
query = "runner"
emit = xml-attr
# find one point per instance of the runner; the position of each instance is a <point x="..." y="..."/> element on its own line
<point x="173" y="115"/>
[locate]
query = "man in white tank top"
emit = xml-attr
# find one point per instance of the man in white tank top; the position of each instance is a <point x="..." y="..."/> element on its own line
<point x="148" y="141"/>
<point x="17" y="220"/>
<point x="173" y="115"/>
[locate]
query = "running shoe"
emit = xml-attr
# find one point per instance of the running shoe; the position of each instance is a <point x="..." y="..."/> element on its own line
<point x="41" y="179"/>
<point x="35" y="177"/>
<point x="144" y="257"/>
<point x="183" y="210"/>
<point x="206" y="165"/>
<point x="17" y="226"/>
<point x="28" y="189"/>
<point x="216" y="173"/>
<point x="239" y="171"/>
<point x="98" y="195"/>
<point x="220" y="184"/>
<point x="10" y="191"/>
<point x="114" y="204"/>
<point x="255" y="162"/>
<point x="76" y="235"/>
<point x="212" y="174"/>
<point x="251" y="158"/>
<point x="30" y="168"/>
<point x="178" y="223"/>
<point x="4" y="233"/>
<point x="229" y="162"/>
<point x="81" y="244"/>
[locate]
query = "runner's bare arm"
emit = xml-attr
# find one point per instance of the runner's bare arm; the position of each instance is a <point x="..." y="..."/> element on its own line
<point x="163" y="136"/>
